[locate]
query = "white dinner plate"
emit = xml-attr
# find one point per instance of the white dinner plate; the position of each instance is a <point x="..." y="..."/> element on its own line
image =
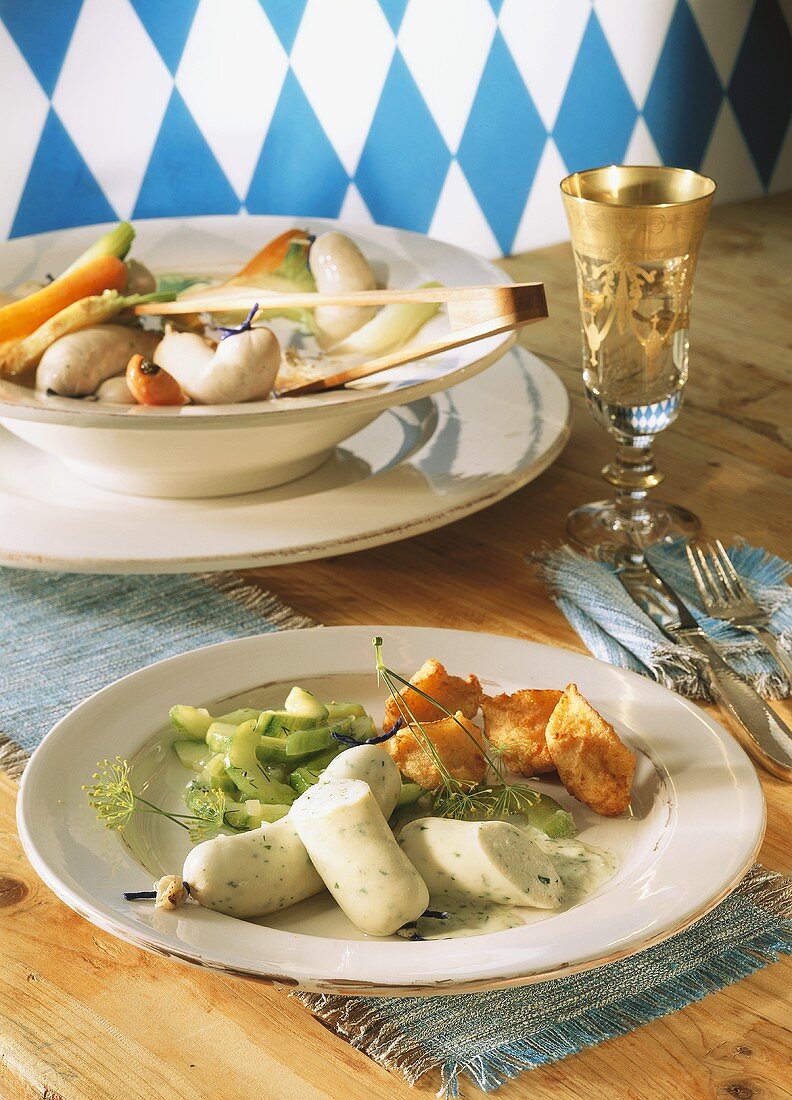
<point x="696" y="824"/>
<point x="414" y="468"/>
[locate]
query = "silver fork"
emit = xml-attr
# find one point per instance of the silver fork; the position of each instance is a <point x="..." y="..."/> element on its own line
<point x="725" y="597"/>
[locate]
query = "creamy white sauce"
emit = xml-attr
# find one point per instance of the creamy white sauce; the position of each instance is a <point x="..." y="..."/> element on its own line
<point x="467" y="918"/>
<point x="581" y="867"/>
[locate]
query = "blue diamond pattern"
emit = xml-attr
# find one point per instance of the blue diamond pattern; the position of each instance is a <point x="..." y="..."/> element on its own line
<point x="501" y="148"/>
<point x="60" y="190"/>
<point x="685" y="95"/>
<point x="763" y="107"/>
<point x="597" y="115"/>
<point x="281" y="184"/>
<point x="43" y="31"/>
<point x="285" y="17"/>
<point x="394" y="10"/>
<point x="183" y="176"/>
<point x="405" y="160"/>
<point x="168" y="26"/>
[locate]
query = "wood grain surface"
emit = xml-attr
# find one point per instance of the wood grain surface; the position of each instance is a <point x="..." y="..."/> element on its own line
<point x="86" y="1017"/>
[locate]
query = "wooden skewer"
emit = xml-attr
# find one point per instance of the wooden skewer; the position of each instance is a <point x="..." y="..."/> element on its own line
<point x="490" y="327"/>
<point x="242" y="299"/>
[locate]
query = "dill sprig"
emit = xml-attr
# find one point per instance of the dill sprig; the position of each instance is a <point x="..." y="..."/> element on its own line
<point x="456" y="797"/>
<point x="115" y="802"/>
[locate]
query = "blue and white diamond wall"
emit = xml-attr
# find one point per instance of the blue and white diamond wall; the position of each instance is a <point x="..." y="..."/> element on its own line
<point x="456" y="118"/>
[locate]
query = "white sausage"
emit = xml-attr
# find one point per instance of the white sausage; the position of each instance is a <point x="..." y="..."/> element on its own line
<point x="338" y="266"/>
<point x="241" y="368"/>
<point x="252" y="874"/>
<point x="374" y="766"/>
<point x="486" y="860"/>
<point x="357" y="856"/>
<point x="115" y="390"/>
<point x="269" y="865"/>
<point x="78" y="363"/>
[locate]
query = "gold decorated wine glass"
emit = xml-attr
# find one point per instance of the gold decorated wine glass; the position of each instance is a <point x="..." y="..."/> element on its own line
<point x="636" y="234"/>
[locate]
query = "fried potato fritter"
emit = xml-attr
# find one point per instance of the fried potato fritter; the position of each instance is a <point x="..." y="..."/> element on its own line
<point x="593" y="764"/>
<point x="516" y="725"/>
<point x="453" y="692"/>
<point x="458" y="752"/>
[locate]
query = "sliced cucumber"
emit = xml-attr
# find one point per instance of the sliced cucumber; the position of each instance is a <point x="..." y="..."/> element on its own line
<point x="304" y="741"/>
<point x="265" y="721"/>
<point x="265" y="811"/>
<point x="301" y="779"/>
<point x="219" y="736"/>
<point x="303" y="704"/>
<point x="409" y="794"/>
<point x="192" y="754"/>
<point x="345" y="710"/>
<point x="362" y="728"/>
<point x="214" y="774"/>
<point x="272" y="750"/>
<point x="237" y="717"/>
<point x="549" y="816"/>
<point x="191" y="721"/>
<point x="282" y="723"/>
<point x="305" y="775"/>
<point x="255" y="783"/>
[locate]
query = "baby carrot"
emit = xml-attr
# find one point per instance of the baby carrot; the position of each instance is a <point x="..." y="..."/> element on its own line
<point x="271" y="255"/>
<point x="19" y="319"/>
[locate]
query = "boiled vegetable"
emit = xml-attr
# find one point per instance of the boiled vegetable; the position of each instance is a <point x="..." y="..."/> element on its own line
<point x="20" y="319"/>
<point x="117" y="242"/>
<point x="151" y="385"/>
<point x="393" y="326"/>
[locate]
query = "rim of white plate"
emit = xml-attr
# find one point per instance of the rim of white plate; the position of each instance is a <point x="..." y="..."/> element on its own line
<point x="711" y="854"/>
<point x="20" y="402"/>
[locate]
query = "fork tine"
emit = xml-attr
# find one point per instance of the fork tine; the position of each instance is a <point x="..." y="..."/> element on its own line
<point x="716" y="589"/>
<point x="698" y="576"/>
<point x="731" y="572"/>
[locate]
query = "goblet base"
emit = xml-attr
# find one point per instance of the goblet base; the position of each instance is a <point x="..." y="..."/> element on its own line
<point x="604" y="528"/>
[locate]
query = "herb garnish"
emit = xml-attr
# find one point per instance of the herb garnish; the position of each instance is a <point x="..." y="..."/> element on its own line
<point x="115" y="802"/>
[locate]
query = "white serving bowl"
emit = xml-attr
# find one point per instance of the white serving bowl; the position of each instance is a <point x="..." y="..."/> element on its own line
<point x="204" y="451"/>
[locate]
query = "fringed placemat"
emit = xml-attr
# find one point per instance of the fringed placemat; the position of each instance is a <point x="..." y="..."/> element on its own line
<point x="491" y="1037"/>
<point x="65" y="636"/>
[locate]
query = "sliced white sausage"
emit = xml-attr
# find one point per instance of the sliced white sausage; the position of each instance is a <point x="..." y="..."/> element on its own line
<point x="357" y="856"/>
<point x="486" y="860"/>
<point x="252" y="874"/>
<point x="374" y="766"/>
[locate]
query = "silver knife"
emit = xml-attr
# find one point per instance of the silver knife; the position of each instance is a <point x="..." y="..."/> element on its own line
<point x="769" y="739"/>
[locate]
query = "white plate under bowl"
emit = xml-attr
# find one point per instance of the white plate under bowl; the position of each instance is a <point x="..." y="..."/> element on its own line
<point x="187" y="452"/>
<point x="415" y="468"/>
<point x="696" y="825"/>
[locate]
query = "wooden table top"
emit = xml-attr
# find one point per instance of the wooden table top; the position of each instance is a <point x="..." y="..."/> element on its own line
<point x="86" y="1017"/>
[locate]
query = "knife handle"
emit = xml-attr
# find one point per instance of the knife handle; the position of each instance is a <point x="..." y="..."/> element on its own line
<point x="770" y="739"/>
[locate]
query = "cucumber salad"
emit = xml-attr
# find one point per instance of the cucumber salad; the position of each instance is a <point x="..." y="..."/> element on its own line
<point x="261" y="760"/>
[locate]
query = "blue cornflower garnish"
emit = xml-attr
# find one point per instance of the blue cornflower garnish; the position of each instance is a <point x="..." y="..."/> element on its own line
<point x="246" y="325"/>
<point x="344" y="739"/>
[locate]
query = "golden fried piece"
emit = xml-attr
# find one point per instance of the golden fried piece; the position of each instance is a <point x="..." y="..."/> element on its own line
<point x="463" y="757"/>
<point x="452" y="691"/>
<point x="516" y="725"/>
<point x="593" y="764"/>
